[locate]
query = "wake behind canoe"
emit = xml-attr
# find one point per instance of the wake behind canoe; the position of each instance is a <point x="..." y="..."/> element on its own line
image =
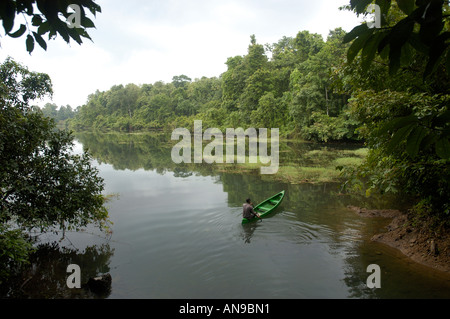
<point x="266" y="207"/>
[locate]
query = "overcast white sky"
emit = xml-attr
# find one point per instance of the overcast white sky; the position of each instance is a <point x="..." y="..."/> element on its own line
<point x="144" y="41"/>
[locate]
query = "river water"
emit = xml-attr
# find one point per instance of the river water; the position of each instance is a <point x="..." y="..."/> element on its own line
<point x="177" y="233"/>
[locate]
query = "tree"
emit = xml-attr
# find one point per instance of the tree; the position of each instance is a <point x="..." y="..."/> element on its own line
<point x="43" y="185"/>
<point x="180" y="81"/>
<point x="399" y="76"/>
<point x="307" y="45"/>
<point x="268" y="113"/>
<point x="50" y="110"/>
<point x="50" y="18"/>
<point x="311" y="82"/>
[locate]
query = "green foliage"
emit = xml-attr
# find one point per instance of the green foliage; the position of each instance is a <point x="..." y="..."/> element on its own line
<point x="14" y="251"/>
<point x="325" y="128"/>
<point x="46" y="18"/>
<point x="410" y="133"/>
<point x="312" y="83"/>
<point x="418" y="25"/>
<point x="43" y="185"/>
<point x="402" y="102"/>
<point x="60" y="115"/>
<point x="282" y="92"/>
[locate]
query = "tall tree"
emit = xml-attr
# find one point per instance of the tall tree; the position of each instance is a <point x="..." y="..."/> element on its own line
<point x="400" y="81"/>
<point x="43" y="184"/>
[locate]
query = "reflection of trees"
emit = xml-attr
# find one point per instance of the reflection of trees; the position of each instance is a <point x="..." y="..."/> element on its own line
<point x="138" y="151"/>
<point x="127" y="151"/>
<point x="319" y="204"/>
<point x="46" y="275"/>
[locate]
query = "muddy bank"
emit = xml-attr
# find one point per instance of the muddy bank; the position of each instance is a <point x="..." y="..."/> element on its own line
<point x="416" y="242"/>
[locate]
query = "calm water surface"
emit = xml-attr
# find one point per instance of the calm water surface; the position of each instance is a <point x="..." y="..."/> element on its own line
<point x="177" y="234"/>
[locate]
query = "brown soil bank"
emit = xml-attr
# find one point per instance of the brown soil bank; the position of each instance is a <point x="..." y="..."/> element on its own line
<point x="417" y="243"/>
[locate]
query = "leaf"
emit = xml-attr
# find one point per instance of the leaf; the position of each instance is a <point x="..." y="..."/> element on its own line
<point x="396" y="39"/>
<point x="443" y="148"/>
<point x="428" y="140"/>
<point x="437" y="51"/>
<point x="397" y="123"/>
<point x="62" y="29"/>
<point x="355" y="32"/>
<point x="416" y="43"/>
<point x="395" y="55"/>
<point x="94" y="8"/>
<point x="36" y="21"/>
<point x="30" y="43"/>
<point x="358" y="45"/>
<point x="385" y="5"/>
<point x="407" y="6"/>
<point x="369" y="50"/>
<point x="8" y="10"/>
<point x="83" y="33"/>
<point x="19" y="32"/>
<point x="414" y="141"/>
<point x="360" y="5"/>
<point x="74" y="34"/>
<point x="40" y="41"/>
<point x="408" y="54"/>
<point x="399" y="136"/>
<point x="44" y="28"/>
<point x="87" y="23"/>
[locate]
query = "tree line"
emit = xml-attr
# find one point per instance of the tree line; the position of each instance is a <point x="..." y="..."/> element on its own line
<point x="286" y="85"/>
<point x="389" y="86"/>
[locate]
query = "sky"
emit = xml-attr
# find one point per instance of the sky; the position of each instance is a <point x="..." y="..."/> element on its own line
<point x="145" y="41"/>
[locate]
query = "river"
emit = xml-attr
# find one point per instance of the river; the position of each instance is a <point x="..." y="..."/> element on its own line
<point x="177" y="233"/>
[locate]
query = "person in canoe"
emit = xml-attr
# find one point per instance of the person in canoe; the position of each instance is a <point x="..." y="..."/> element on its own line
<point x="248" y="212"/>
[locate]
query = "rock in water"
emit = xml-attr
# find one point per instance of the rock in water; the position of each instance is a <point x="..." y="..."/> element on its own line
<point x="100" y="285"/>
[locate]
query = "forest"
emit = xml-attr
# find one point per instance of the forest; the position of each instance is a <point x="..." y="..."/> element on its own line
<point x="287" y="85"/>
<point x="388" y="88"/>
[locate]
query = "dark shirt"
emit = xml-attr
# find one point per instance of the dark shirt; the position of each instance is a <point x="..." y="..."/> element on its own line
<point x="248" y="211"/>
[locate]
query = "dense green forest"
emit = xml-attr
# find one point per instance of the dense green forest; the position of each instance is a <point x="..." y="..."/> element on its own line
<point x="388" y="87"/>
<point x="286" y="85"/>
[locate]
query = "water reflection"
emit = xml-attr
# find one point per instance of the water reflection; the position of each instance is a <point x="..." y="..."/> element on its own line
<point x="46" y="275"/>
<point x="184" y="239"/>
<point x="312" y="232"/>
<point x="248" y="230"/>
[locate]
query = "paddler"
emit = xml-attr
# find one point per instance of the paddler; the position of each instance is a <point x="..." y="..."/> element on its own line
<point x="248" y="212"/>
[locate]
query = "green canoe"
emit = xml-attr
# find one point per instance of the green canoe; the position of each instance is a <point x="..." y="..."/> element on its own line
<point x="266" y="207"/>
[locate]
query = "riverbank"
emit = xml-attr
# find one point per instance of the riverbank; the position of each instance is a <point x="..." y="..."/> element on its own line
<point x="415" y="242"/>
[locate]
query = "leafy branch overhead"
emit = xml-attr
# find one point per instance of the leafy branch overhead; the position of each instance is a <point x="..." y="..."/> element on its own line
<point x="424" y="28"/>
<point x="41" y="19"/>
<point x="408" y="33"/>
